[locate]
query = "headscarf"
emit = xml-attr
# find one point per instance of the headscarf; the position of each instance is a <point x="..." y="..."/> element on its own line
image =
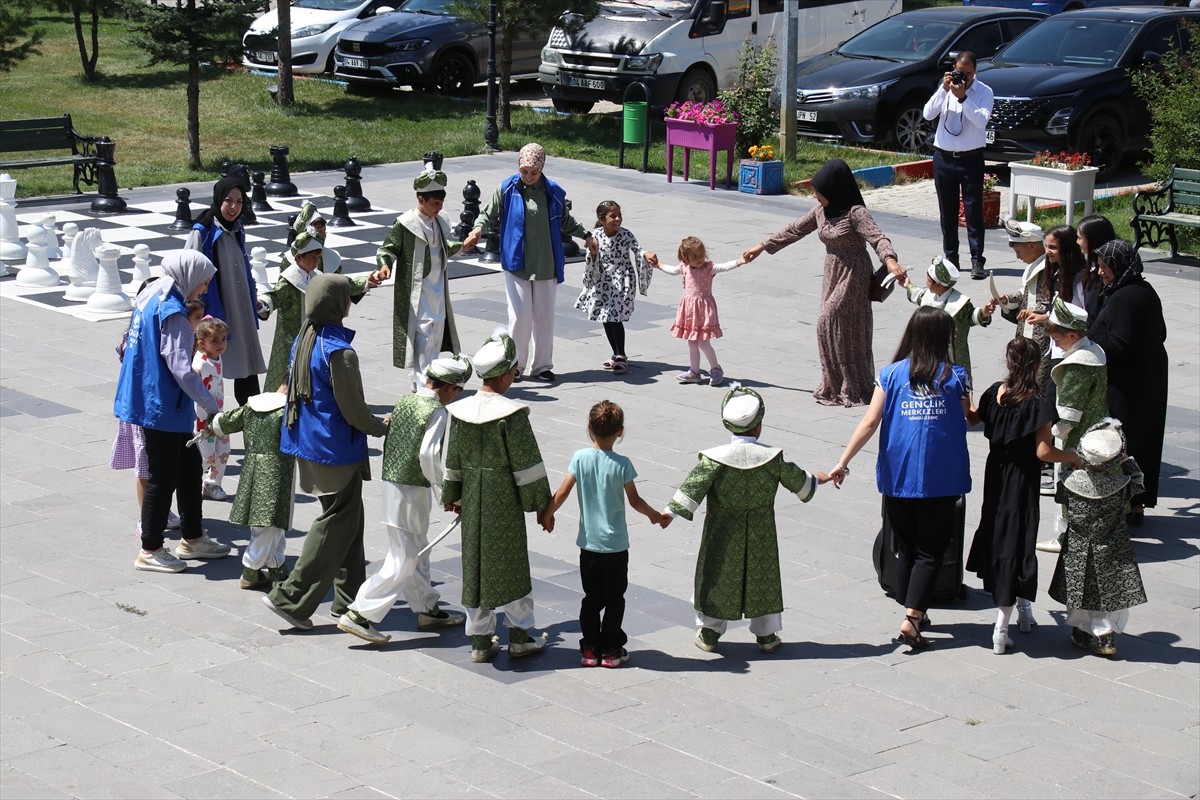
<point x="325" y="303"/>
<point x="221" y="190"/>
<point x="187" y="269"/>
<point x="1123" y="259"/>
<point x="532" y="155"/>
<point x="835" y="181"/>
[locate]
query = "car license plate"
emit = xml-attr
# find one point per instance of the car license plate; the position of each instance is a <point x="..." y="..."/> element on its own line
<point x="989" y="137"/>
<point x="264" y="56"/>
<point x="585" y="83"/>
<point x="354" y="63"/>
<point x="806" y="116"/>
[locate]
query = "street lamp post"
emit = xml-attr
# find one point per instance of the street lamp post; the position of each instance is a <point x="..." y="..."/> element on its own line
<point x="491" y="133"/>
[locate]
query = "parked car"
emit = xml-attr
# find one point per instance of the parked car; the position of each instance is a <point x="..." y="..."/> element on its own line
<point x="873" y="86"/>
<point x="423" y="45"/>
<point x="1058" y="6"/>
<point x="1064" y="84"/>
<point x="315" y="28"/>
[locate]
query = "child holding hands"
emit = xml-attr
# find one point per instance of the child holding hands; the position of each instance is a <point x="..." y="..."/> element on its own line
<point x="696" y="320"/>
<point x="212" y="337"/>
<point x="939" y="292"/>
<point x="603" y="539"/>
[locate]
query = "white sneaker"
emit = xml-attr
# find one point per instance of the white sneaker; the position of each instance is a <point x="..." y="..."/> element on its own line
<point x="367" y="632"/>
<point x="213" y="492"/>
<point x="202" y="547"/>
<point x="1049" y="546"/>
<point x="160" y="560"/>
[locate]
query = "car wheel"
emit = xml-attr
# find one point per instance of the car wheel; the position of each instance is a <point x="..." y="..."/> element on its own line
<point x="572" y="106"/>
<point x="912" y="133"/>
<point x="1103" y="138"/>
<point x="697" y="85"/>
<point x="452" y="74"/>
<point x="329" y="65"/>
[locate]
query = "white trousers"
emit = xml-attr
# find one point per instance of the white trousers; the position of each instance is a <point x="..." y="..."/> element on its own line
<point x="1098" y="623"/>
<point x="759" y="626"/>
<point x="267" y="548"/>
<point x="400" y="573"/>
<point x="517" y="614"/>
<point x="531" y="314"/>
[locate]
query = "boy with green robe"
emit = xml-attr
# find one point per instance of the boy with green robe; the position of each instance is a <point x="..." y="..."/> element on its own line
<point x="939" y="292"/>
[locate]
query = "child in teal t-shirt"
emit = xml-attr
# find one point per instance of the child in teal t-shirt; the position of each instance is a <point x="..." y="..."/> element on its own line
<point x="603" y="540"/>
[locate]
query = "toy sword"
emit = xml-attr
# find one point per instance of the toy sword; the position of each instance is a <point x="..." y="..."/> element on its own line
<point x="453" y="524"/>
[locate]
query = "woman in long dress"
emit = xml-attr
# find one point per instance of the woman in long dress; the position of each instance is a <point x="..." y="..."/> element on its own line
<point x="844" y="322"/>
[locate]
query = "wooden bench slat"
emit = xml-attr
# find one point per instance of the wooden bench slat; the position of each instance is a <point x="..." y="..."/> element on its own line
<point x="1181" y="173"/>
<point x="22" y="136"/>
<point x="45" y="161"/>
<point x="1189" y="220"/>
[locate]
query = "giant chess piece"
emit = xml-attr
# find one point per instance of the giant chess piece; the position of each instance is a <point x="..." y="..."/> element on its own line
<point x="109" y="296"/>
<point x="491" y="248"/>
<point x="354" y="196"/>
<point x="292" y="232"/>
<point x="183" y="210"/>
<point x="53" y="251"/>
<point x="37" y="270"/>
<point x="11" y="248"/>
<point x="435" y="158"/>
<point x="107" y="201"/>
<point x="469" y="214"/>
<point x="341" y="214"/>
<point x="258" y="268"/>
<point x="141" y="264"/>
<point x="242" y="173"/>
<point x="83" y="267"/>
<point x="570" y="248"/>
<point x="70" y="231"/>
<point x="258" y="194"/>
<point x="281" y="181"/>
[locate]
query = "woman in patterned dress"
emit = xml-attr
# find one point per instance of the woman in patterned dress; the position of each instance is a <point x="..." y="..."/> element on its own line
<point x="845" y="322"/>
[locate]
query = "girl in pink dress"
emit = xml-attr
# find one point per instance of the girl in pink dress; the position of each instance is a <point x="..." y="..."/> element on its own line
<point x="696" y="320"/>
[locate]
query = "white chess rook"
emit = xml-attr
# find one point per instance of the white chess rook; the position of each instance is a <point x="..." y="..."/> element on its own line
<point x="83" y="267"/>
<point x="37" y="270"/>
<point x="109" y="294"/>
<point x="141" y="264"/>
<point x="11" y="248"/>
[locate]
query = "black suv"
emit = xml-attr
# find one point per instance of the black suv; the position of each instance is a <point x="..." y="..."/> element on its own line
<point x="1064" y="84"/>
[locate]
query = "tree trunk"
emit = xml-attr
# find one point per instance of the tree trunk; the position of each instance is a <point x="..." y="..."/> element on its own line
<point x="193" y="115"/>
<point x="90" y="67"/>
<point x="505" y="80"/>
<point x="286" y="95"/>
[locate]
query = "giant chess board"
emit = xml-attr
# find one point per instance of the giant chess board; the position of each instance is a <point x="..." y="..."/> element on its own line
<point x="150" y="224"/>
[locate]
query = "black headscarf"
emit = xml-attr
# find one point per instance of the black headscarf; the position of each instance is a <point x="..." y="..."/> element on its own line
<point x="836" y="183"/>
<point x="221" y="190"/>
<point x="1123" y="259"/>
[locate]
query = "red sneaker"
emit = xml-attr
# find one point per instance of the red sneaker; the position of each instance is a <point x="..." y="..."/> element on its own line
<point x="615" y="658"/>
<point x="589" y="658"/>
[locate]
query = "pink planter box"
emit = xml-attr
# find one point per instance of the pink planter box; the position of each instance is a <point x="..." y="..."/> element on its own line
<point x="713" y="138"/>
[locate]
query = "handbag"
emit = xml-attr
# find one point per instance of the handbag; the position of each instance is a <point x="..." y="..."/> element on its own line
<point x="877" y="290"/>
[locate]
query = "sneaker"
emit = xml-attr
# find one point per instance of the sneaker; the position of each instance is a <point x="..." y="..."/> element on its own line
<point x="202" y="547"/>
<point x="615" y="659"/>
<point x="1105" y="644"/>
<point x="1081" y="639"/>
<point x="706" y="640"/>
<point x="689" y="377"/>
<point x="588" y="657"/>
<point x="481" y="652"/>
<point x="769" y="644"/>
<point x="716" y="376"/>
<point x="295" y="622"/>
<point x="545" y="376"/>
<point x="254" y="579"/>
<point x="213" y="492"/>
<point x="529" y="648"/>
<point x="1049" y="546"/>
<point x="438" y="618"/>
<point x="1025" y="619"/>
<point x="1048" y="487"/>
<point x="161" y="560"/>
<point x="172" y="521"/>
<point x="363" y="630"/>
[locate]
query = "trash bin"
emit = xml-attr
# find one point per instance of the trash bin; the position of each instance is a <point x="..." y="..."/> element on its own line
<point x="636" y="127"/>
<point x="635" y="122"/>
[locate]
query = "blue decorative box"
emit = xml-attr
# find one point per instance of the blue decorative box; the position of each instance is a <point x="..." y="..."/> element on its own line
<point x="760" y="177"/>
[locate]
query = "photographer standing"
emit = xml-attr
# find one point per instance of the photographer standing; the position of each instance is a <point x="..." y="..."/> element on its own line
<point x="962" y="106"/>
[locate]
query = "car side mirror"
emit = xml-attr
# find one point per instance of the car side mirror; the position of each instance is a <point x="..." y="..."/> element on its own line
<point x="950" y="59"/>
<point x="1152" y="57"/>
<point x="714" y="17"/>
<point x="384" y="10"/>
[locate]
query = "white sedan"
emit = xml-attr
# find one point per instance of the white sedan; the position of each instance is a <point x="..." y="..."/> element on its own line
<point x="316" y="25"/>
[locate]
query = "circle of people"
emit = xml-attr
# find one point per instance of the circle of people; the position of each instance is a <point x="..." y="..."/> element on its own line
<point x="1088" y="330"/>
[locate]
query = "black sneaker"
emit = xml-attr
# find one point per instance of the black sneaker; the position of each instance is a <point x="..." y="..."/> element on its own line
<point x="545" y="376"/>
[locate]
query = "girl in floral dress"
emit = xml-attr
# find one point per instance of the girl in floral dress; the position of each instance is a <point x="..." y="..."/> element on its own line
<point x="696" y="320"/>
<point x="212" y="337"/>
<point x="612" y="277"/>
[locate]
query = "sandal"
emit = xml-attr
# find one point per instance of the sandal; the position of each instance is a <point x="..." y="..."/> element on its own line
<point x="612" y="362"/>
<point x="620" y="365"/>
<point x="914" y="640"/>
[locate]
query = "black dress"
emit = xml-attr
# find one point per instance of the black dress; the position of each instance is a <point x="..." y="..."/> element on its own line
<point x="1131" y="329"/>
<point x="1002" y="553"/>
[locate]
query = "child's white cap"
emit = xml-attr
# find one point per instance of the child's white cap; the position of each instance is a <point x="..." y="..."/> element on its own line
<point x="455" y="369"/>
<point x="1068" y="315"/>
<point x="943" y="271"/>
<point x="742" y="410"/>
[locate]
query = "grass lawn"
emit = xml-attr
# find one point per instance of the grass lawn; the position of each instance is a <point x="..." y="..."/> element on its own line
<point x="144" y="110"/>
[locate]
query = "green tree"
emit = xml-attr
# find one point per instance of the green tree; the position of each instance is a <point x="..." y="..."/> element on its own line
<point x="1171" y="91"/>
<point x="19" y="38"/>
<point x="93" y="10"/>
<point x="516" y="15"/>
<point x="188" y="33"/>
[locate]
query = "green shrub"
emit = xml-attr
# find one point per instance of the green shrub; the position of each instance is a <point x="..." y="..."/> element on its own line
<point x="750" y="96"/>
<point x="1172" y="94"/>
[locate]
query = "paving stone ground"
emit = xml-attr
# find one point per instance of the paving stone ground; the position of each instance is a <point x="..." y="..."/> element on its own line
<point x="116" y="683"/>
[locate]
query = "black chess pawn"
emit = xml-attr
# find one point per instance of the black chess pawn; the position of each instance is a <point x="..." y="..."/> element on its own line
<point x="341" y="214"/>
<point x="354" y="196"/>
<point x="469" y="214"/>
<point x="258" y="194"/>
<point x="183" y="210"/>
<point x="570" y="248"/>
<point x="491" y="251"/>
<point x="292" y="233"/>
<point x="281" y="180"/>
<point x="435" y="158"/>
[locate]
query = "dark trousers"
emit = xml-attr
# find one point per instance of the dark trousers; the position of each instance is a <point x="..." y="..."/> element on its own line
<point x="332" y="555"/>
<point x="245" y="388"/>
<point x="605" y="577"/>
<point x="950" y="176"/>
<point x="615" y="331"/>
<point x="924" y="527"/>
<point x="175" y="470"/>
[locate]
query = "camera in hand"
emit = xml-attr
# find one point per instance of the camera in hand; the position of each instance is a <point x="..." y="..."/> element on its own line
<point x="957" y="77"/>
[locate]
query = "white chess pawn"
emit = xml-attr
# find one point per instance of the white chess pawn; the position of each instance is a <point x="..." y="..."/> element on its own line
<point x="83" y="266"/>
<point x="11" y="248"/>
<point x="258" y="266"/>
<point x="37" y="271"/>
<point x="141" y="264"/>
<point x="109" y="295"/>
<point x="70" y="231"/>
<point x="53" y="251"/>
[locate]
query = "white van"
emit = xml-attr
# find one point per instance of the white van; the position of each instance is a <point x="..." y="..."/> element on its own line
<point x="683" y="49"/>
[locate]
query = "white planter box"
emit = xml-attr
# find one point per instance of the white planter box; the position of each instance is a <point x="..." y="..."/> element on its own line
<point x="1067" y="186"/>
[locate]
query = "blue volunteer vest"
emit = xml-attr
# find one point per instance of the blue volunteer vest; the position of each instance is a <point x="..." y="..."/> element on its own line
<point x="147" y="393"/>
<point x="512" y="226"/>
<point x="209" y="234"/>
<point x="321" y="434"/>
